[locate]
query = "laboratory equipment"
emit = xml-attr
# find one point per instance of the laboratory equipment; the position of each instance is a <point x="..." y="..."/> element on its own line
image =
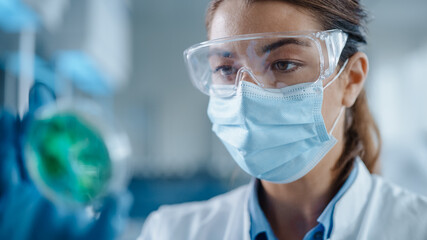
<point x="74" y="154"/>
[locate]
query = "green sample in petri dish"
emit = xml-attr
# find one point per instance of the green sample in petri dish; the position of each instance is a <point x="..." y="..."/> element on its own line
<point x="68" y="158"/>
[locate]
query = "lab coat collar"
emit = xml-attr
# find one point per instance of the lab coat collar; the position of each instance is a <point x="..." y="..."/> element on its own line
<point x="351" y="205"/>
<point x="237" y="213"/>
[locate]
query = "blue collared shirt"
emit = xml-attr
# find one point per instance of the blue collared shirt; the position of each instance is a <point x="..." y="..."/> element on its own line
<point x="261" y="230"/>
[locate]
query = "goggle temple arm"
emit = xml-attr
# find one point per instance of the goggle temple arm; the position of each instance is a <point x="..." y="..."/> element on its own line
<point x="335" y="43"/>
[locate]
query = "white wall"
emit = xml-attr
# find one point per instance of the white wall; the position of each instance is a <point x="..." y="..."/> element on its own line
<point x="397" y="88"/>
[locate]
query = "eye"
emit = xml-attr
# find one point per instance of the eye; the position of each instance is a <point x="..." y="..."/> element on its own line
<point x="285" y="66"/>
<point x="225" y="70"/>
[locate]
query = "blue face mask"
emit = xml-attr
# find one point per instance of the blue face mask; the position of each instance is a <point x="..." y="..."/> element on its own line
<point x="274" y="136"/>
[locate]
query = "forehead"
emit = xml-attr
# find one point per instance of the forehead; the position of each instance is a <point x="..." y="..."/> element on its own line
<point x="235" y="17"/>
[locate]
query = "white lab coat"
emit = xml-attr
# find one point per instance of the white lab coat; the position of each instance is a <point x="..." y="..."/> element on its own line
<point x="370" y="209"/>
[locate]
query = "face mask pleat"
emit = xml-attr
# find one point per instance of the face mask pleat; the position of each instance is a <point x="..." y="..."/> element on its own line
<point x="270" y="158"/>
<point x="274" y="109"/>
<point x="304" y="163"/>
<point x="258" y="139"/>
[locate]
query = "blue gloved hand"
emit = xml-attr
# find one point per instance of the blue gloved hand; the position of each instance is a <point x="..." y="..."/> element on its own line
<point x="25" y="213"/>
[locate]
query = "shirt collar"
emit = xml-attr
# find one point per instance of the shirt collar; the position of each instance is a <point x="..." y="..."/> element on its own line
<point x="326" y="218"/>
<point x="260" y="224"/>
<point x="258" y="220"/>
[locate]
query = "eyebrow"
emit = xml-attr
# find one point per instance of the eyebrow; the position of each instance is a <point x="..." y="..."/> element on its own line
<point x="220" y="53"/>
<point x="280" y="43"/>
<point x="265" y="49"/>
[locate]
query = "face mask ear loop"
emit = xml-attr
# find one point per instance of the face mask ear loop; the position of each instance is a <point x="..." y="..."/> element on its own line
<point x="336" y="120"/>
<point x="336" y="77"/>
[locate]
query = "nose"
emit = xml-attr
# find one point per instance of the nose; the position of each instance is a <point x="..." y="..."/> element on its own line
<point x="247" y="75"/>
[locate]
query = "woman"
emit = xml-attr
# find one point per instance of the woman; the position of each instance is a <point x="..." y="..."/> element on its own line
<point x="285" y="80"/>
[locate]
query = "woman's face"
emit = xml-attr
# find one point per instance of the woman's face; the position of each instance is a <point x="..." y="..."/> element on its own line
<point x="234" y="17"/>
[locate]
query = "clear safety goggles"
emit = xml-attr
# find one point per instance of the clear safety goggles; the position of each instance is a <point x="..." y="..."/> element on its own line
<point x="270" y="60"/>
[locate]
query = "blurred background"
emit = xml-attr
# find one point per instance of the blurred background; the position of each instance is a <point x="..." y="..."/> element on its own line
<point x="132" y="50"/>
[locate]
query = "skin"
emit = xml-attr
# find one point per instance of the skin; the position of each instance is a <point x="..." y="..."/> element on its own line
<point x="292" y="209"/>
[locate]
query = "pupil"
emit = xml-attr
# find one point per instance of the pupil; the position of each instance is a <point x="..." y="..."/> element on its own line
<point x="283" y="65"/>
<point x="227" y="70"/>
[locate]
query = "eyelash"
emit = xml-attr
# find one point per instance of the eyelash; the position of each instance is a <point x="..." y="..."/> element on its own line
<point x="297" y="66"/>
<point x="217" y="69"/>
<point x="273" y="67"/>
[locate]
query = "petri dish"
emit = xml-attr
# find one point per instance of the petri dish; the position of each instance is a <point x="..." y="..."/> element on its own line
<point x="70" y="155"/>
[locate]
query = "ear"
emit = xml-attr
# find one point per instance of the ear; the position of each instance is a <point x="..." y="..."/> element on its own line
<point x="355" y="75"/>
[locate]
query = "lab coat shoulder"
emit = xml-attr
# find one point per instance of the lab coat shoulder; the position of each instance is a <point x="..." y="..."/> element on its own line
<point x="373" y="208"/>
<point x="394" y="213"/>
<point x="196" y="220"/>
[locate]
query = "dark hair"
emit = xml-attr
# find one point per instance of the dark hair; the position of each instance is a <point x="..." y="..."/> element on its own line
<point x="362" y="136"/>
